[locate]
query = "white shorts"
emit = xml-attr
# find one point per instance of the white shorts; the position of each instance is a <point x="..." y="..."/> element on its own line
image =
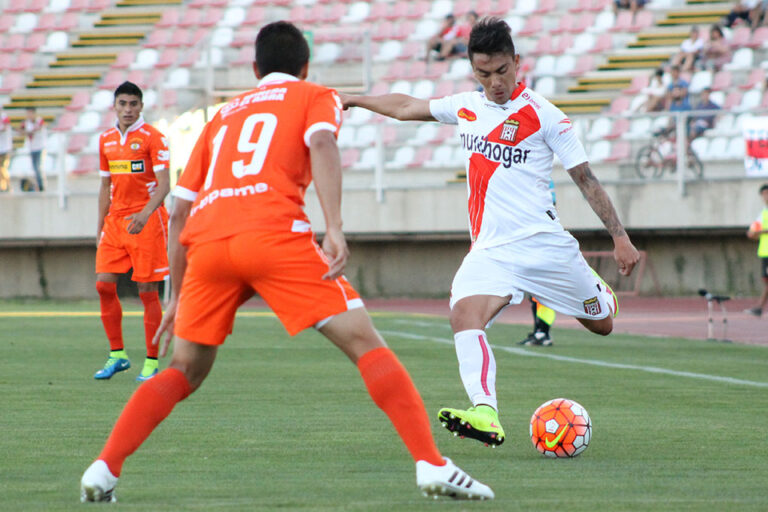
<point x="548" y="266"/>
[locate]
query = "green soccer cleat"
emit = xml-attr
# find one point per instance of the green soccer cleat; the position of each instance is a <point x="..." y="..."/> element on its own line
<point x="111" y="367"/>
<point x="481" y="423"/>
<point x="149" y="370"/>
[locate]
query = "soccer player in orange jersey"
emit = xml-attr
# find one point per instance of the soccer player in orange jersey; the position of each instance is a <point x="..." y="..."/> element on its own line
<point x="238" y="226"/>
<point x="132" y="225"/>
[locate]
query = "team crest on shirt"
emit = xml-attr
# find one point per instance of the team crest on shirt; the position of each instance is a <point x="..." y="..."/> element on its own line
<point x="467" y="114"/>
<point x="509" y="130"/>
<point x="592" y="306"/>
<point x="135" y="144"/>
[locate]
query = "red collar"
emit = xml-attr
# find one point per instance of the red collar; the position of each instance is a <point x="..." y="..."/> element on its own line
<point x="518" y="90"/>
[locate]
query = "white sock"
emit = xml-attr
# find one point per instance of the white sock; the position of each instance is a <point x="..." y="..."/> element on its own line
<point x="477" y="366"/>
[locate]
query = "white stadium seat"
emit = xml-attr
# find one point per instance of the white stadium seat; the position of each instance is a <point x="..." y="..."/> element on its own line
<point x="177" y="79"/>
<point x="145" y="59"/>
<point x="233" y="17"/>
<point x="357" y="12"/>
<point x="55" y="42"/>
<point x="423" y="89"/>
<point x="87" y="122"/>
<point x="25" y="22"/>
<point x="700" y="80"/>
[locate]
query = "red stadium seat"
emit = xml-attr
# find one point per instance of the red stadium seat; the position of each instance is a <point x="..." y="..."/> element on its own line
<point x="756" y="76"/>
<point x="77" y="142"/>
<point x="124" y="60"/>
<point x="620" y="127"/>
<point x="179" y="37"/>
<point x="722" y="80"/>
<point x="740" y="37"/>
<point x="170" y="18"/>
<point x="11" y="81"/>
<point x="191" y="17"/>
<point x="733" y="99"/>
<point x="47" y="22"/>
<point x="637" y="84"/>
<point x="546" y="6"/>
<point x="620" y="105"/>
<point x="13" y="42"/>
<point x="244" y="56"/>
<point x="99" y="5"/>
<point x="255" y="16"/>
<point x="397" y="70"/>
<point x="583" y="64"/>
<point x="623" y="22"/>
<point x="543" y="46"/>
<point x="211" y="17"/>
<point x="378" y="12"/>
<point x="533" y="26"/>
<point x="22" y="62"/>
<point x="86" y="164"/>
<point x="6" y="23"/>
<point x="333" y="13"/>
<point x="66" y="122"/>
<point x="603" y="42"/>
<point x="167" y="58"/>
<point x="411" y="50"/>
<point x="620" y="151"/>
<point x="349" y="157"/>
<point x="415" y="10"/>
<point x="79" y="100"/>
<point x="759" y="37"/>
<point x="78" y="5"/>
<point x="68" y="21"/>
<point x="562" y="43"/>
<point x="112" y="79"/>
<point x="159" y="38"/>
<point x="643" y="20"/>
<point x="444" y="88"/>
<point x="34" y="42"/>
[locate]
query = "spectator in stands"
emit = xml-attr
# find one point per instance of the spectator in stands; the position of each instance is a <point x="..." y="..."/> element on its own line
<point x="700" y="123"/>
<point x="678" y="103"/>
<point x="447" y="32"/>
<point x="716" y="52"/>
<point x="675" y="81"/>
<point x="6" y="145"/>
<point x="36" y="132"/>
<point x="655" y="92"/>
<point x="690" y="51"/>
<point x="746" y="10"/>
<point x="632" y="5"/>
<point x="457" y="47"/>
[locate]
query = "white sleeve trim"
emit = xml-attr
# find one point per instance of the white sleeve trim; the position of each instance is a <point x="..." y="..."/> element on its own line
<point x="316" y="128"/>
<point x="160" y="167"/>
<point x="104" y="174"/>
<point x="184" y="193"/>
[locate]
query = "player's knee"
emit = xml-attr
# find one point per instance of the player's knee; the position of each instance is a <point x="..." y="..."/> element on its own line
<point x="105" y="289"/>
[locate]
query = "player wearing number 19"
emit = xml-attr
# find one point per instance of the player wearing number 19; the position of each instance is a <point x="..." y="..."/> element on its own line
<point x="132" y="224"/>
<point x="238" y="226"/>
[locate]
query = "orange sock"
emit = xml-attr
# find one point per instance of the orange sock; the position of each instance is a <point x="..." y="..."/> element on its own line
<point x="111" y="314"/>
<point x="153" y="314"/>
<point x="392" y="390"/>
<point x="150" y="404"/>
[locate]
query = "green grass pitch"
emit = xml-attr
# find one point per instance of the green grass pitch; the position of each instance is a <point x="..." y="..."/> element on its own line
<point x="286" y="424"/>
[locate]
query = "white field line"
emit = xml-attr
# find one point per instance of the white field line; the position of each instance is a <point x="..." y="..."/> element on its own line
<point x="592" y="362"/>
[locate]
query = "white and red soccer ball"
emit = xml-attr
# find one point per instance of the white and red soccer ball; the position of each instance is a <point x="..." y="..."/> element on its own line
<point x="561" y="428"/>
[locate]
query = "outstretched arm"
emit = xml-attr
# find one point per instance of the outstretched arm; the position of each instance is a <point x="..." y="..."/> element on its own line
<point x="397" y="106"/>
<point x="624" y="252"/>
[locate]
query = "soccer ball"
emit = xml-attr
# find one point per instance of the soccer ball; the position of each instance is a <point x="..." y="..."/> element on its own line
<point x="561" y="428"/>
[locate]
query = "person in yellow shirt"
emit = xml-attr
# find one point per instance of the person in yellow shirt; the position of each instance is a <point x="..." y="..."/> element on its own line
<point x="758" y="230"/>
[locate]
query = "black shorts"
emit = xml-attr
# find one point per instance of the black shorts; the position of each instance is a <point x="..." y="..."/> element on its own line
<point x="764" y="266"/>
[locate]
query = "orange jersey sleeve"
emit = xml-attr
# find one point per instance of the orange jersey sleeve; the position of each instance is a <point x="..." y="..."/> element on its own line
<point x="131" y="160"/>
<point x="250" y="166"/>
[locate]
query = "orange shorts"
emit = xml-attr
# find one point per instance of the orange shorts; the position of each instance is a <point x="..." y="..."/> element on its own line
<point x="146" y="252"/>
<point x="284" y="268"/>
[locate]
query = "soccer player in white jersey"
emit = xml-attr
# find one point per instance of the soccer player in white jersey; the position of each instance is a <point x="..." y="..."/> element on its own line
<point x="510" y="134"/>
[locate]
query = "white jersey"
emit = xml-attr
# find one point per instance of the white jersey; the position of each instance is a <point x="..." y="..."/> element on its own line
<point x="509" y="150"/>
<point x="6" y="137"/>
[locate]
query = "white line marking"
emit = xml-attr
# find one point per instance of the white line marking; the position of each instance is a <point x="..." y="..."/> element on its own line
<point x="593" y="362"/>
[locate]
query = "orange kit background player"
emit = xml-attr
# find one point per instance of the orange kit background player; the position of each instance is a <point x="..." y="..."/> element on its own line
<point x="132" y="225"/>
<point x="238" y="226"/>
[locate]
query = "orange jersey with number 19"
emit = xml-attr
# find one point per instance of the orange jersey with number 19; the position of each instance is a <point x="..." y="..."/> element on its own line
<point x="250" y="166"/>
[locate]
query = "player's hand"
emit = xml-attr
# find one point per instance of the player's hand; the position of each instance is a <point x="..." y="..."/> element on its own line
<point x="166" y="326"/>
<point x="335" y="248"/>
<point x="346" y="100"/>
<point x="625" y="254"/>
<point x="138" y="221"/>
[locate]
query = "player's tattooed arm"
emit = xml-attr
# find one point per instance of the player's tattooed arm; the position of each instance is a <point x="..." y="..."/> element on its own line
<point x="597" y="198"/>
<point x="397" y="106"/>
<point x="624" y="252"/>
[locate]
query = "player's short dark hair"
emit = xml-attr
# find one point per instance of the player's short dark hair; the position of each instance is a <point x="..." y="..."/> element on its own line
<point x="281" y="47"/>
<point x="129" y="88"/>
<point x="490" y="36"/>
<point x="764" y="187"/>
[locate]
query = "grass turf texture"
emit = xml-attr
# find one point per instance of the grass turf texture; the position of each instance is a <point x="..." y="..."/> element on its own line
<point x="286" y="423"/>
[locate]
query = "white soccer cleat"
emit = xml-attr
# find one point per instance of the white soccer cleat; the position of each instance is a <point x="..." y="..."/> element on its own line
<point x="98" y="483"/>
<point x="449" y="480"/>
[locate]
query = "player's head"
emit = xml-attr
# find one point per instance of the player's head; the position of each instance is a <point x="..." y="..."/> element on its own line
<point x="493" y="58"/>
<point x="31" y="112"/>
<point x="128" y="104"/>
<point x="282" y="48"/>
<point x="764" y="192"/>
